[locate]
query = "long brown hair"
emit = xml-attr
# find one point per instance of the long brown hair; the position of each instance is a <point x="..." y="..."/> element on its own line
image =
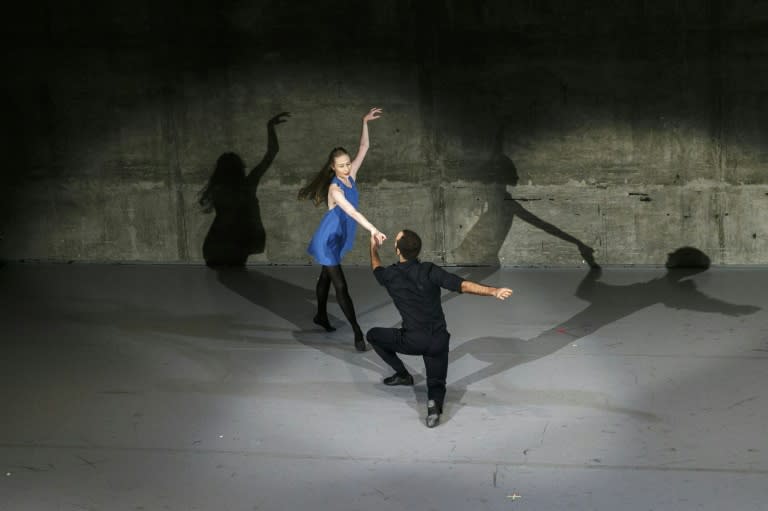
<point x="317" y="189"/>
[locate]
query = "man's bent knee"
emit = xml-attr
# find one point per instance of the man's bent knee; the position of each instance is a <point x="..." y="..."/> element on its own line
<point x="372" y="335"/>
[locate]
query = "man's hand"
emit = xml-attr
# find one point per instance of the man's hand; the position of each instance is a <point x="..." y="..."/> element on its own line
<point x="375" y="242"/>
<point x="502" y="293"/>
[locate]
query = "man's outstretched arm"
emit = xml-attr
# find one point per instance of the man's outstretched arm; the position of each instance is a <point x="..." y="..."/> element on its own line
<point x="473" y="288"/>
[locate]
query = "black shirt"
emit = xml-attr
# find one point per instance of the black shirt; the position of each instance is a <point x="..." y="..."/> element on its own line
<point x="415" y="288"/>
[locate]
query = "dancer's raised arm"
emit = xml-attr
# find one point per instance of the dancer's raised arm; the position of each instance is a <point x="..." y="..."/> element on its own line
<point x="273" y="147"/>
<point x="373" y="113"/>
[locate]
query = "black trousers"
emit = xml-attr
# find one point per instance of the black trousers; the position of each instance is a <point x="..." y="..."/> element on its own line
<point x="431" y="345"/>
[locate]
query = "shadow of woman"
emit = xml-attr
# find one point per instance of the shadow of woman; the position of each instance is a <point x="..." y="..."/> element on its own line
<point x="296" y="305"/>
<point x="483" y="242"/>
<point x="237" y="230"/>
<point x="607" y="304"/>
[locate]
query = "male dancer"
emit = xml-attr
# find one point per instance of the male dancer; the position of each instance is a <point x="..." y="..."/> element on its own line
<point x="415" y="289"/>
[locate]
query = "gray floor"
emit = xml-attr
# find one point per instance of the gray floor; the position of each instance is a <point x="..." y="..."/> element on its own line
<point x="179" y="388"/>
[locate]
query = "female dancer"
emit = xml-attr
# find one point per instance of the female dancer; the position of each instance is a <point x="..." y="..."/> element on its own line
<point x="334" y="237"/>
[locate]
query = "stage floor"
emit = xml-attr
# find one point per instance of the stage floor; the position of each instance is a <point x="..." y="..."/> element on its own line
<point x="143" y="387"/>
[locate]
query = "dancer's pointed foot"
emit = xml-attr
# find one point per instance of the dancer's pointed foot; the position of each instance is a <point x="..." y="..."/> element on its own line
<point x="323" y="322"/>
<point x="588" y="254"/>
<point x="360" y="344"/>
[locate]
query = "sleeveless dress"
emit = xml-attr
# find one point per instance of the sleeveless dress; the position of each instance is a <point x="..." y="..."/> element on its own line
<point x="335" y="235"/>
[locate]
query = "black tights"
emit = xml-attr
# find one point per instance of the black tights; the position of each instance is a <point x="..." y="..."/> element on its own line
<point x="335" y="275"/>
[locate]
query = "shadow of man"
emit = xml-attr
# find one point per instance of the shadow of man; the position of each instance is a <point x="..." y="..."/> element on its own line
<point x="607" y="304"/>
<point x="483" y="242"/>
<point x="237" y="230"/>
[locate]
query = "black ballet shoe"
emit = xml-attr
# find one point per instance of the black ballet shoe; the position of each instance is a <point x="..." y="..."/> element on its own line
<point x="323" y="323"/>
<point x="360" y="344"/>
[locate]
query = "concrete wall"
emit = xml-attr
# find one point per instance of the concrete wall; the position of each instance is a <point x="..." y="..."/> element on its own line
<point x="513" y="130"/>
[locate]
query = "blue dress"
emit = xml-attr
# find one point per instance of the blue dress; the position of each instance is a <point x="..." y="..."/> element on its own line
<point x="335" y="235"/>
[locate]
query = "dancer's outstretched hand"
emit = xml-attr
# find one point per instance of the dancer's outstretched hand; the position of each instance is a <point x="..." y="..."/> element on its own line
<point x="373" y="113"/>
<point x="378" y="237"/>
<point x="502" y="293"/>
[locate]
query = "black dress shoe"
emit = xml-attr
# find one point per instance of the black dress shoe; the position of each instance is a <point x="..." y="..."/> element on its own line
<point x="323" y="323"/>
<point x="433" y="414"/>
<point x="399" y="379"/>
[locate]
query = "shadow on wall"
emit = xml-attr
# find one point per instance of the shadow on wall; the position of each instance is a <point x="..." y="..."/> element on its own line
<point x="483" y="242"/>
<point x="607" y="304"/>
<point x="237" y="230"/>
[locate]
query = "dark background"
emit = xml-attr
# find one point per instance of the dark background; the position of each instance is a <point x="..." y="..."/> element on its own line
<point x="513" y="132"/>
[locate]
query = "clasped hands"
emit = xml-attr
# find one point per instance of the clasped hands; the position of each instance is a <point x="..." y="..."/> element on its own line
<point x="377" y="238"/>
